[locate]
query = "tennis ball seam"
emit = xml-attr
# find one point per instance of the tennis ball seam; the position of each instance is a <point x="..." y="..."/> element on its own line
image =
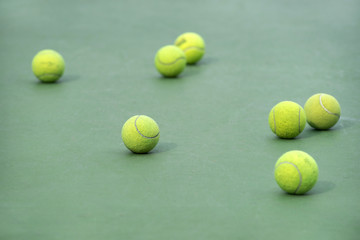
<point x="171" y="63"/>
<point x="193" y="47"/>
<point x="328" y="111"/>
<point x="141" y="133"/>
<point x="300" y="176"/>
<point x="181" y="42"/>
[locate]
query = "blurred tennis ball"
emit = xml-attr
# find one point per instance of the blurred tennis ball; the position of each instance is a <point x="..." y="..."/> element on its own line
<point x="193" y="45"/>
<point x="48" y="65"/>
<point x="170" y="61"/>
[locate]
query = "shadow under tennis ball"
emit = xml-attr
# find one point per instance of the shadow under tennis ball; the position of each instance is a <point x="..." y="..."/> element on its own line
<point x="163" y="147"/>
<point x="319" y="188"/>
<point x="322" y="187"/>
<point x="159" y="148"/>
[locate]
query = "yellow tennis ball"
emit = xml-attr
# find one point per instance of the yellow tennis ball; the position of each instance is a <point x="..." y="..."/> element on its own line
<point x="193" y="45"/>
<point x="48" y="65"/>
<point x="287" y="119"/>
<point x="322" y="111"/>
<point x="170" y="61"/>
<point x="140" y="134"/>
<point x="296" y="172"/>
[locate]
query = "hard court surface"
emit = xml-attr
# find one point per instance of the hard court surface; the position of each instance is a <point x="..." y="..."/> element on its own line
<point x="65" y="173"/>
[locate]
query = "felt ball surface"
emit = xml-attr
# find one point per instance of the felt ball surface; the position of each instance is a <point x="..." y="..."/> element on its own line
<point x="170" y="61"/>
<point x="140" y="134"/>
<point x="193" y="45"/>
<point x="322" y="111"/>
<point x="48" y="65"/>
<point x="296" y="172"/>
<point x="287" y="119"/>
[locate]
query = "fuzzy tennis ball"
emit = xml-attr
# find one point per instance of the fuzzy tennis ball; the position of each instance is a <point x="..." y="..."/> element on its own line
<point x="287" y="119"/>
<point x="322" y="111"/>
<point x="170" y="61"/>
<point x="48" y="66"/>
<point x="140" y="134"/>
<point x="296" y="172"/>
<point x="193" y="45"/>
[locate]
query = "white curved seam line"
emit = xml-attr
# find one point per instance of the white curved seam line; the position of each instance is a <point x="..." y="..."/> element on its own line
<point x="300" y="182"/>
<point x="171" y="63"/>
<point x="141" y="133"/>
<point x="325" y="107"/>
<point x="197" y="48"/>
<point x="180" y="42"/>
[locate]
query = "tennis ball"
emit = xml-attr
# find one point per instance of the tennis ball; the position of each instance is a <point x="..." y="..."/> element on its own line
<point x="296" y="172"/>
<point x="322" y="111"/>
<point x="48" y="66"/>
<point x="140" y="134"/>
<point x="287" y="119"/>
<point x="193" y="45"/>
<point x="170" y="61"/>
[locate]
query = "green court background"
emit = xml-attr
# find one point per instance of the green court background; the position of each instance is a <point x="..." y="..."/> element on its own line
<point x="65" y="173"/>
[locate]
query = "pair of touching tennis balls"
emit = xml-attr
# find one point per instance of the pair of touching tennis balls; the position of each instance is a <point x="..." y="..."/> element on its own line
<point x="288" y="119"/>
<point x="171" y="60"/>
